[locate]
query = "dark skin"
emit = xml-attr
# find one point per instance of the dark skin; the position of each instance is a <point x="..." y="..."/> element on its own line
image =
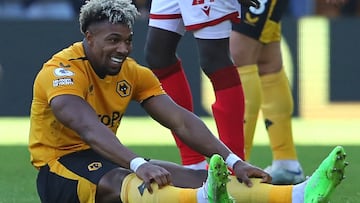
<point x="107" y="46"/>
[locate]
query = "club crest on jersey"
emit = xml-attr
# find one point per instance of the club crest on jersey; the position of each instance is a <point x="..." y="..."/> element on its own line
<point x="62" y="72"/>
<point x="123" y="88"/>
<point x="94" y="166"/>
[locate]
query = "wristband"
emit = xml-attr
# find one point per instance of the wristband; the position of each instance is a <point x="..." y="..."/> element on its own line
<point x="136" y="163"/>
<point x="231" y="159"/>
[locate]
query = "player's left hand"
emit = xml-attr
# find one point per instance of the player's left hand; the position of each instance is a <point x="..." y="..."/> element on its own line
<point x="248" y="3"/>
<point x="150" y="173"/>
<point x="244" y="171"/>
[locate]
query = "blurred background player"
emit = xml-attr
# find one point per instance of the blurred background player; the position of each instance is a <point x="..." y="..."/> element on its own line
<point x="210" y="22"/>
<point x="255" y="48"/>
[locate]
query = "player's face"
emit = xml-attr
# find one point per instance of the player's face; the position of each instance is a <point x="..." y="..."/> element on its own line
<point x="109" y="45"/>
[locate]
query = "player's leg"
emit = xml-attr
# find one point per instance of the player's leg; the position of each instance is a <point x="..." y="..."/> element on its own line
<point x="277" y="109"/>
<point x="228" y="108"/>
<point x="160" y="53"/>
<point x="245" y="52"/>
<point x="318" y="188"/>
<point x="212" y="190"/>
<point x="246" y="43"/>
<point x="271" y="88"/>
<point x="277" y="104"/>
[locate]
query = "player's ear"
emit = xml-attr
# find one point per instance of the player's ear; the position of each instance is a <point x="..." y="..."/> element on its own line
<point x="89" y="37"/>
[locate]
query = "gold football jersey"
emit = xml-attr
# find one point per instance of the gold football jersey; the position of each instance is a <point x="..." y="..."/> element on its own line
<point x="69" y="72"/>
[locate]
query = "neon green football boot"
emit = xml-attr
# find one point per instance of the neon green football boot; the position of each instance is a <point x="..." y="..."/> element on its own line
<point x="218" y="177"/>
<point x="326" y="177"/>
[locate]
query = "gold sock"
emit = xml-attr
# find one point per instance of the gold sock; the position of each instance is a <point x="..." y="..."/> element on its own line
<point x="252" y="89"/>
<point x="277" y="109"/>
<point x="133" y="192"/>
<point x="259" y="192"/>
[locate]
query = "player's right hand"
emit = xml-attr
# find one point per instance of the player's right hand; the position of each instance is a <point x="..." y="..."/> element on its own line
<point x="248" y="3"/>
<point x="150" y="173"/>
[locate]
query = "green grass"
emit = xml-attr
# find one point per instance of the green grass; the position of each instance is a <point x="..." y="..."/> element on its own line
<point x="18" y="176"/>
<point x="314" y="140"/>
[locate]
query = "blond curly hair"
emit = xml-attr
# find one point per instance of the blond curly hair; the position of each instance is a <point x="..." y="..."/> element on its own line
<point x="115" y="11"/>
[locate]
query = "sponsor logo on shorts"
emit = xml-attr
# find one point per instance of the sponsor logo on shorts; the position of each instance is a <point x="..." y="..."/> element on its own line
<point x="94" y="166"/>
<point x="63" y="82"/>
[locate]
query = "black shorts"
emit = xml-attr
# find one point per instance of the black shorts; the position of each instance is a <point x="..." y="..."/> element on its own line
<point x="72" y="178"/>
<point x="262" y="24"/>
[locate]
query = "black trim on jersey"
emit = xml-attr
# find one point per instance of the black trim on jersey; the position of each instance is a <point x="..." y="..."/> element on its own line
<point x="84" y="58"/>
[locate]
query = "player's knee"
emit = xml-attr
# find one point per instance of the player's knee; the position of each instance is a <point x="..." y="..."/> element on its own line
<point x="156" y="58"/>
<point x="109" y="187"/>
<point x="267" y="67"/>
<point x="283" y="106"/>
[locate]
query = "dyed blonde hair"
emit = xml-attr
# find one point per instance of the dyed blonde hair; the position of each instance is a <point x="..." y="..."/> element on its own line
<point x="115" y="11"/>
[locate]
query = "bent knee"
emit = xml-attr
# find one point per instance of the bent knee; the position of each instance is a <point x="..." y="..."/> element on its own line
<point x="109" y="186"/>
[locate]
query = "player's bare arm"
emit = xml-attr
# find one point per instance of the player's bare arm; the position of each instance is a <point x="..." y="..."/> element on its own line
<point x="100" y="138"/>
<point x="192" y="131"/>
<point x="189" y="128"/>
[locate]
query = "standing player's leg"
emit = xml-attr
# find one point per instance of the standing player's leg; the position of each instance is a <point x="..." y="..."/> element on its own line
<point x="245" y="51"/>
<point x="255" y="47"/>
<point x="166" y="15"/>
<point x="277" y="108"/>
<point x="216" y="62"/>
<point x="228" y="108"/>
<point x="160" y="54"/>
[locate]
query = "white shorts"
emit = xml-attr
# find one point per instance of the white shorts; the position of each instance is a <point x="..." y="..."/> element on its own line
<point x="209" y="19"/>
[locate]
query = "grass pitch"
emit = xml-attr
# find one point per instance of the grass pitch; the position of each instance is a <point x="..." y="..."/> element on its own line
<point x="314" y="141"/>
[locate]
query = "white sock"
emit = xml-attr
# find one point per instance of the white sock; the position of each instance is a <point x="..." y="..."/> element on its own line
<point x="298" y="192"/>
<point x="198" y="166"/>
<point x="202" y="194"/>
